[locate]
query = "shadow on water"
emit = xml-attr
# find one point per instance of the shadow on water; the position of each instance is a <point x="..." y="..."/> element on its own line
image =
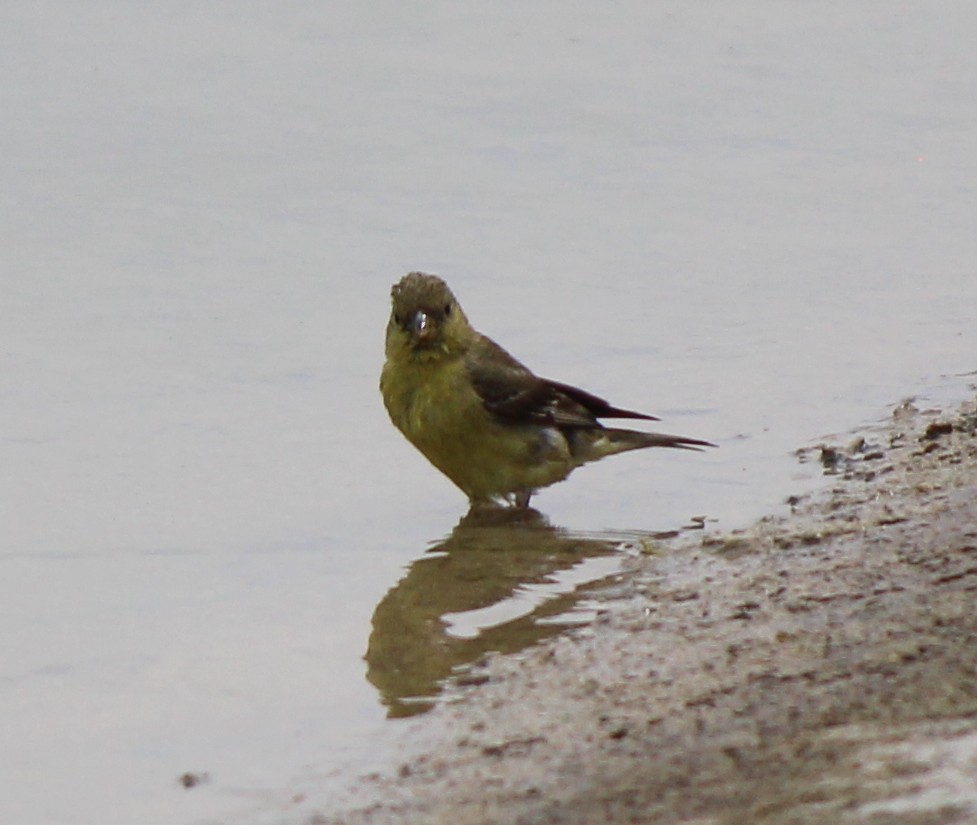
<point x="502" y="581"/>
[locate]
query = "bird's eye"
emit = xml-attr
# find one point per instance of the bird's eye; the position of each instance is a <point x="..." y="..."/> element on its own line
<point x="447" y="310"/>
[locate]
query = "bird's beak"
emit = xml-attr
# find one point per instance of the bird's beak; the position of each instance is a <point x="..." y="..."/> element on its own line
<point x="421" y="326"/>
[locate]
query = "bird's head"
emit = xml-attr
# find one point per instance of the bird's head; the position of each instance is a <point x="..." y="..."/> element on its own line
<point x="426" y="318"/>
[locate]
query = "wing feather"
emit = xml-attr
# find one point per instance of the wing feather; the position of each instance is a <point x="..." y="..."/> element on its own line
<point x="512" y="392"/>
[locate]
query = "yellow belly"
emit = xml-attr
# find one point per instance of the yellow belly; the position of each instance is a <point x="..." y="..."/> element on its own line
<point x="437" y="410"/>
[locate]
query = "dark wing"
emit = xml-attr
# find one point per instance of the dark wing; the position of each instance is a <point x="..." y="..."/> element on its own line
<point x="596" y="405"/>
<point x="512" y="392"/>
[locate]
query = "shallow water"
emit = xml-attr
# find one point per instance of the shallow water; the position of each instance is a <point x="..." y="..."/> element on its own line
<point x="756" y="223"/>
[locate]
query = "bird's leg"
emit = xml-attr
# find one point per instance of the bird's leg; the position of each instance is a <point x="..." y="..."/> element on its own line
<point x="522" y="497"/>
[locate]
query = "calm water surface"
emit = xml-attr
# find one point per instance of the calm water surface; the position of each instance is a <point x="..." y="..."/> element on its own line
<point x="216" y="554"/>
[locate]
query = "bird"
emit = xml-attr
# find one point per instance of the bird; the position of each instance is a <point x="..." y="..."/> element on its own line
<point x="497" y="430"/>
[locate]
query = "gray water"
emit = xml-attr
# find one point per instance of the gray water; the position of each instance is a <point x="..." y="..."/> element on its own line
<point x="755" y="220"/>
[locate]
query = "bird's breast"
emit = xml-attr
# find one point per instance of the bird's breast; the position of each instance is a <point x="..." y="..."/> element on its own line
<point x="429" y="401"/>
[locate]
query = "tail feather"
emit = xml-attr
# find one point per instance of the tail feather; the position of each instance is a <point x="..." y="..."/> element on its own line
<point x="590" y="445"/>
<point x="634" y="440"/>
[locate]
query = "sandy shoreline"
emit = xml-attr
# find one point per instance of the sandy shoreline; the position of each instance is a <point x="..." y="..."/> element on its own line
<point x="820" y="667"/>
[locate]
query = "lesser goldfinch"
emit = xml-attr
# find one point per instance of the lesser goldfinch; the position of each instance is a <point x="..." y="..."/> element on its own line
<point x="492" y="426"/>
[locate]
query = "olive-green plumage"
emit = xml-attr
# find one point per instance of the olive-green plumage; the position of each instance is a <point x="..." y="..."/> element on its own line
<point x="497" y="430"/>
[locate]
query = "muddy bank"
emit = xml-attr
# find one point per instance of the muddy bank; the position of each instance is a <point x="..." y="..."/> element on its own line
<point x="820" y="667"/>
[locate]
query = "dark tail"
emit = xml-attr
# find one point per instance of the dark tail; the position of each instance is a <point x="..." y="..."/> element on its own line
<point x="634" y="440"/>
<point x="590" y="445"/>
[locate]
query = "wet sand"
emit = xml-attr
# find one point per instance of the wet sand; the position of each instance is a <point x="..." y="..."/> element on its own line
<point x="818" y="667"/>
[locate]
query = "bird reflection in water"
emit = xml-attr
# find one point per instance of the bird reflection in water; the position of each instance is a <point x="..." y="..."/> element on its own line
<point x="493" y="558"/>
